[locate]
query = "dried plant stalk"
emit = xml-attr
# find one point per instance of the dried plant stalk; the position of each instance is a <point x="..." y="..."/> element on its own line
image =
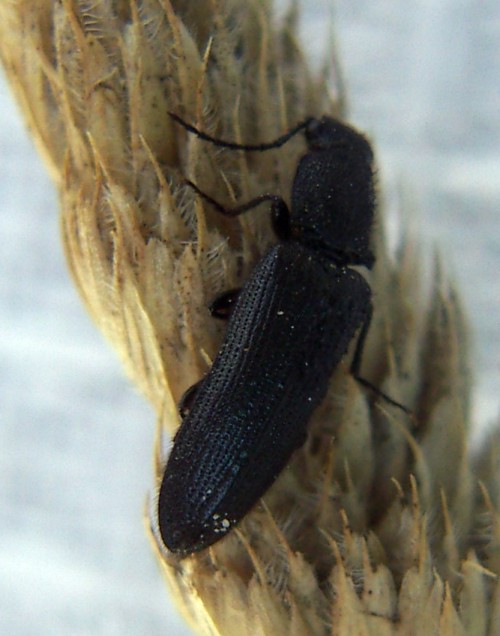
<point x="381" y="524"/>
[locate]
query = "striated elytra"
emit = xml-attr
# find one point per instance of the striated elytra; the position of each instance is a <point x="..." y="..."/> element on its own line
<point x="291" y="325"/>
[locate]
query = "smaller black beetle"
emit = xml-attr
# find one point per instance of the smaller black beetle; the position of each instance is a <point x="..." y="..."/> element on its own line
<point x="290" y="327"/>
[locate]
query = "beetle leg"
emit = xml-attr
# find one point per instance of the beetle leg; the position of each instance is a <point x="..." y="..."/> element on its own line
<point x="186" y="401"/>
<point x="222" y="306"/>
<point x="240" y="209"/>
<point x="356" y="364"/>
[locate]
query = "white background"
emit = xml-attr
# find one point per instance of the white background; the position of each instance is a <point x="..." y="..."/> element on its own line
<point x="76" y="440"/>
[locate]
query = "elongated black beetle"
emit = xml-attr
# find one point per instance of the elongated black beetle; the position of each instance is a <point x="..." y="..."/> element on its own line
<point x="291" y="325"/>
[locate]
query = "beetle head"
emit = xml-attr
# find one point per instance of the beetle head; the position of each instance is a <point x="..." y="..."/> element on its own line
<point x="333" y="197"/>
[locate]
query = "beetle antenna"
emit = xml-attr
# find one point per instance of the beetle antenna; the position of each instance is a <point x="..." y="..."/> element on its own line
<point x="235" y="146"/>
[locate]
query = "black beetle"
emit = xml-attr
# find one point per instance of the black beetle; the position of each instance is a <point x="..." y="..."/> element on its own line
<point x="290" y="327"/>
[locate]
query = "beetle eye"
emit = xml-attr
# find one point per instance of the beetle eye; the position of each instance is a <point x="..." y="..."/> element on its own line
<point x="312" y="127"/>
<point x="313" y="133"/>
<point x="322" y="134"/>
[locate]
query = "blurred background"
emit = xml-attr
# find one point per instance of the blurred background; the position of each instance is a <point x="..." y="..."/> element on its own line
<point x="76" y="439"/>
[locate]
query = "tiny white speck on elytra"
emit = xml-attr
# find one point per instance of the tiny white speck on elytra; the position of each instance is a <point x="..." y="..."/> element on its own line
<point x="226" y="523"/>
<point x="215" y="516"/>
<point x="280" y="313"/>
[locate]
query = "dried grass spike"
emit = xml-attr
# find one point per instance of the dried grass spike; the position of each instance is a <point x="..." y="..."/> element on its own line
<point x="379" y="525"/>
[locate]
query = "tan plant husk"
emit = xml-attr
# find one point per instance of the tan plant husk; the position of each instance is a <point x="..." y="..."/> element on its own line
<point x="381" y="524"/>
